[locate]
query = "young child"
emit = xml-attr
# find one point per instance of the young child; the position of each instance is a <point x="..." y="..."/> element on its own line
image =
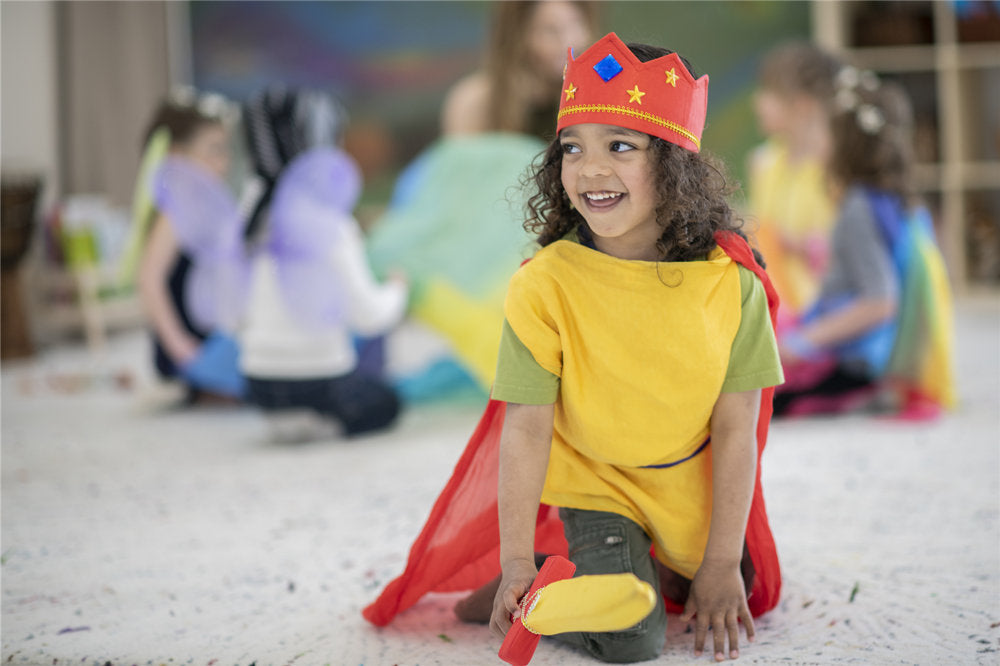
<point x="884" y="309"/>
<point x="192" y="274"/>
<point x="787" y="186"/>
<point x="312" y="287"/>
<point x="636" y="362"/>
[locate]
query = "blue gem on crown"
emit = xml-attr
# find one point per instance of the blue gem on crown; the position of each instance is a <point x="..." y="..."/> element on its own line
<point x="608" y="68"/>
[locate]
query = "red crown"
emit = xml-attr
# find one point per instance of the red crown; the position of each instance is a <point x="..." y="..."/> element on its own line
<point x="608" y="84"/>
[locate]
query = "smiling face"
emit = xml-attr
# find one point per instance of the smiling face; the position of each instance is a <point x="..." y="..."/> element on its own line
<point x="607" y="174"/>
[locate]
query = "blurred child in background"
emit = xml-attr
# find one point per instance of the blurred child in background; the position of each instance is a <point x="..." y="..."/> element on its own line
<point x="787" y="184"/>
<point x="312" y="287"/>
<point x="883" y="316"/>
<point x="192" y="274"/>
<point x="453" y="223"/>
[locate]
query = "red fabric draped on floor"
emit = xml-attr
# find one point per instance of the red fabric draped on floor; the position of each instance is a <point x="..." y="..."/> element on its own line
<point x="459" y="547"/>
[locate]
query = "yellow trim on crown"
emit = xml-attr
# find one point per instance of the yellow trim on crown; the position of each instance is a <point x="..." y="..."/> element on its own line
<point x="634" y="113"/>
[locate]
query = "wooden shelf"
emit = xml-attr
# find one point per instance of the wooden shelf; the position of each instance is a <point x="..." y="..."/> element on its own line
<point x="978" y="55"/>
<point x="76" y="301"/>
<point x="957" y="111"/>
<point x="980" y="175"/>
<point x="895" y="58"/>
<point x="925" y="57"/>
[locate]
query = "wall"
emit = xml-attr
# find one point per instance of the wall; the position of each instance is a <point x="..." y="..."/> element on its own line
<point x="114" y="69"/>
<point x="29" y="113"/>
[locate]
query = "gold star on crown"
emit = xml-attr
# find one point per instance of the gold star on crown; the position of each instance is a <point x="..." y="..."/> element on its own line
<point x="635" y="95"/>
<point x="570" y="92"/>
<point x="672" y="76"/>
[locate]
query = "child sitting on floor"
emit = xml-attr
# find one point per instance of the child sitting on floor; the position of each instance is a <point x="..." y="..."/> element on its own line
<point x="312" y="288"/>
<point x="636" y="360"/>
<point x="883" y="318"/>
<point x="193" y="272"/>
<point x="787" y="175"/>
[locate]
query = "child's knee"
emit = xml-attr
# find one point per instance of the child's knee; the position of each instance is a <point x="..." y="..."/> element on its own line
<point x="607" y="543"/>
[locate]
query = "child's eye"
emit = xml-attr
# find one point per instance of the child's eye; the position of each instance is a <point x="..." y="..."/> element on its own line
<point x="621" y="147"/>
<point x="568" y="148"/>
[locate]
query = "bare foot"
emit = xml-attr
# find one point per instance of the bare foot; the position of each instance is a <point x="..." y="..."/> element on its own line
<point x="478" y="606"/>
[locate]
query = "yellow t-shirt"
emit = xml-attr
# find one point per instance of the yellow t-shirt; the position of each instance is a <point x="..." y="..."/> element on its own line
<point x="641" y="350"/>
<point x="753" y="359"/>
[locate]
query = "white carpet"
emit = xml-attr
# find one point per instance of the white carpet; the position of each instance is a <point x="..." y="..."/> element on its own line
<point x="133" y="535"/>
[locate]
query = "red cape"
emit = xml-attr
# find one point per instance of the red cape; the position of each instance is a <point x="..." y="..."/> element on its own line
<point x="459" y="547"/>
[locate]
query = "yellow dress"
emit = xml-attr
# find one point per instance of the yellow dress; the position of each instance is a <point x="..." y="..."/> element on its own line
<point x="642" y="350"/>
<point x="791" y="201"/>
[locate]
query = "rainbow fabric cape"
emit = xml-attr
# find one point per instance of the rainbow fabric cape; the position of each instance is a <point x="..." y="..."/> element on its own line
<point x="459" y="546"/>
<point x="921" y="364"/>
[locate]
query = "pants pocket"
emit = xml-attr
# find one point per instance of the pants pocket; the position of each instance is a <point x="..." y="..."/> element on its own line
<point x="601" y="543"/>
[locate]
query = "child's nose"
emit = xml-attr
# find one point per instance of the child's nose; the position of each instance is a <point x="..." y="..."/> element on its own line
<point x="595" y="165"/>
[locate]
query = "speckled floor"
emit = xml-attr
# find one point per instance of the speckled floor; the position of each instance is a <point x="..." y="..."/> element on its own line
<point x="137" y="535"/>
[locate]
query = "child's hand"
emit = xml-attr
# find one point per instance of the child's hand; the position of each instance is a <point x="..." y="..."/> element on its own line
<point x="181" y="347"/>
<point x="794" y="347"/>
<point x="518" y="575"/>
<point x="216" y="367"/>
<point x="718" y="600"/>
<point x="398" y="276"/>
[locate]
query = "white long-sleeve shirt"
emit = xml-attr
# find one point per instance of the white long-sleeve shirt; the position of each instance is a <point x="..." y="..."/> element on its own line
<point x="274" y="345"/>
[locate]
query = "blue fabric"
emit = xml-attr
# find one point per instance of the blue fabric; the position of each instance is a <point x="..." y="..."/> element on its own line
<point x="371" y="355"/>
<point x="410" y="181"/>
<point x="873" y="348"/>
<point x="444" y="379"/>
<point x="216" y="367"/>
<point x="899" y="230"/>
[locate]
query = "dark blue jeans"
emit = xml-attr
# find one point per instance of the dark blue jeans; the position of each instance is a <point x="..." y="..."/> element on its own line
<point x="176" y="283"/>
<point x="361" y="403"/>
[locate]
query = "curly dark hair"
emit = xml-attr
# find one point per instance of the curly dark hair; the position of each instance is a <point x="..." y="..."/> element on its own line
<point x="692" y="194"/>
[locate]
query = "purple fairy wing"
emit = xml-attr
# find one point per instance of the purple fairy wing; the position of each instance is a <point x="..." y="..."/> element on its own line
<point x="310" y="209"/>
<point x="200" y="208"/>
<point x="205" y="218"/>
<point x="313" y="196"/>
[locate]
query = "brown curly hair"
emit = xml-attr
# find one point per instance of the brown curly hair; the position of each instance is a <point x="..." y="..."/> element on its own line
<point x="692" y="194"/>
<point x="800" y="68"/>
<point x="875" y="149"/>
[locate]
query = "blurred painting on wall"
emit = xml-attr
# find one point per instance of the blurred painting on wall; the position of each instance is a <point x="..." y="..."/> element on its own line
<point x="389" y="63"/>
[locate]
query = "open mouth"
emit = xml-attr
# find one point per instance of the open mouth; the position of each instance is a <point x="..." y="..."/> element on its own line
<point x="602" y="200"/>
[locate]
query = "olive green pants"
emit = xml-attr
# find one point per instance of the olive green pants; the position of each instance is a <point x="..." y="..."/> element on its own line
<point x="607" y="543"/>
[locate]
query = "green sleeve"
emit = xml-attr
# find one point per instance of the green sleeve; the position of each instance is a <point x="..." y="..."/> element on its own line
<point x="753" y="361"/>
<point x="519" y="378"/>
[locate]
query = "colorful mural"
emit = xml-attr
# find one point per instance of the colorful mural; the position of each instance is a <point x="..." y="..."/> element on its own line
<point x="391" y="62"/>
